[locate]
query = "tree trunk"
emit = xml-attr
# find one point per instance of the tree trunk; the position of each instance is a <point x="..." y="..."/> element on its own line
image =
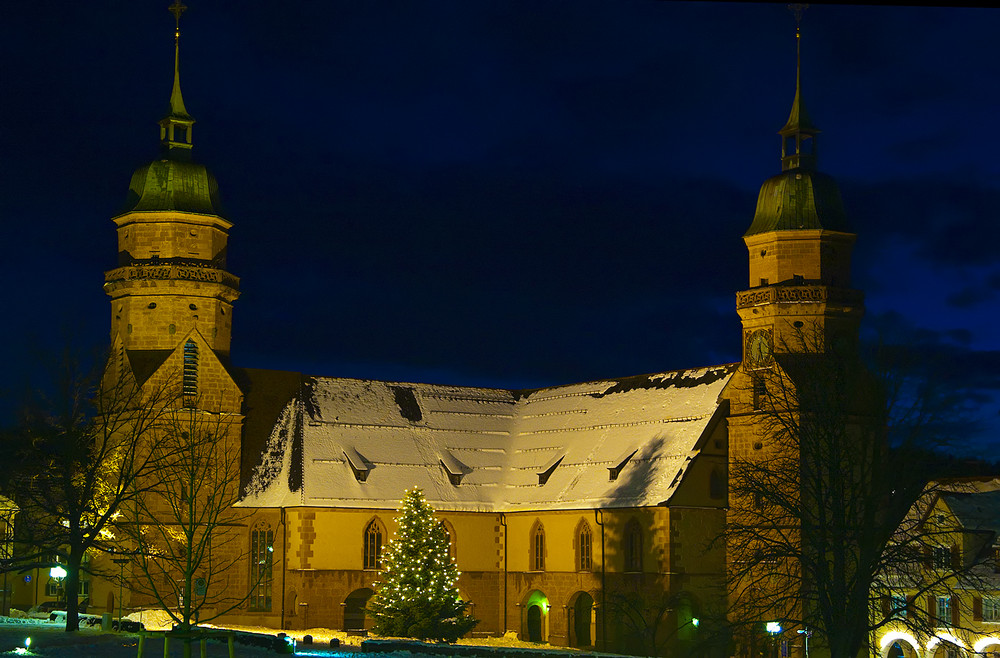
<point x="71" y="587"/>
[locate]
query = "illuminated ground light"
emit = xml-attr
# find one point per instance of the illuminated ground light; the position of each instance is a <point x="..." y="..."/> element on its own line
<point x="26" y="649"/>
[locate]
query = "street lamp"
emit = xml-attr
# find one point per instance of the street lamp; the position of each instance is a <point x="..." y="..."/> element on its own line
<point x="773" y="628"/>
<point x="806" y="633"/>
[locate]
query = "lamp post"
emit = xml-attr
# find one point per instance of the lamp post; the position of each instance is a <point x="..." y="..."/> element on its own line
<point x="773" y="628"/>
<point x="806" y="634"/>
<point x="58" y="572"/>
<point x="121" y="562"/>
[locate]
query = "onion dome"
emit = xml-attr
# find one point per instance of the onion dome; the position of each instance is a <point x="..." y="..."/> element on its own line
<point x="799" y="197"/>
<point x="174" y="181"/>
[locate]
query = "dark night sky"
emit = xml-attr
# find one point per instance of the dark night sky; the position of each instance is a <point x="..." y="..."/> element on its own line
<point x="507" y="193"/>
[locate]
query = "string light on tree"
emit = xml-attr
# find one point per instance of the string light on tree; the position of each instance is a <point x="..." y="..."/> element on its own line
<point x="418" y="594"/>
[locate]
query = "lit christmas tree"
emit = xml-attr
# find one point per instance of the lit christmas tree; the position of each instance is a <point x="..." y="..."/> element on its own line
<point x="418" y="594"/>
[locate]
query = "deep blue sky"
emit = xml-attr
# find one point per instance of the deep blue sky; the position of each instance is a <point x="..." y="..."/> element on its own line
<point x="508" y="193"/>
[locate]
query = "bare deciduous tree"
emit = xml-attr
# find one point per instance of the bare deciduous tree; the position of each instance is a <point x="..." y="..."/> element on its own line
<point x="821" y="503"/>
<point x="187" y="536"/>
<point x="79" y="453"/>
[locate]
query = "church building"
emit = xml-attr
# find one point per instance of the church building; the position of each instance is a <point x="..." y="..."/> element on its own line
<point x="564" y="505"/>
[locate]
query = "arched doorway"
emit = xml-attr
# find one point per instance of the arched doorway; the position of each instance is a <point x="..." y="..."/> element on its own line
<point x="988" y="648"/>
<point x="581" y="632"/>
<point x="536" y="612"/>
<point x="535" y="623"/>
<point x="354" y="609"/>
<point x="899" y="645"/>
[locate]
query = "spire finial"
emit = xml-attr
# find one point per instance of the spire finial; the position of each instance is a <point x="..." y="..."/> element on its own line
<point x="177" y="9"/>
<point x="175" y="128"/>
<point x="798" y="147"/>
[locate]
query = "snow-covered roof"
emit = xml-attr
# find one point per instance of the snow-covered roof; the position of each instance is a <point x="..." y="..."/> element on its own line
<point x="362" y="443"/>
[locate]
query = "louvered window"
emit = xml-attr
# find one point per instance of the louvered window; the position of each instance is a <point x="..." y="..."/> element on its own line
<point x="190" y="380"/>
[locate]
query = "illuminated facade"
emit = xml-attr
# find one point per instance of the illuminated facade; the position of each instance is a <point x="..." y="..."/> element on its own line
<point x="957" y="584"/>
<point x="569" y="508"/>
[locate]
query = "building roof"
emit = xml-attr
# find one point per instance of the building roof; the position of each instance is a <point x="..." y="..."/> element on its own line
<point x="799" y="199"/>
<point x="362" y="443"/>
<point x="977" y="511"/>
<point x="170" y="184"/>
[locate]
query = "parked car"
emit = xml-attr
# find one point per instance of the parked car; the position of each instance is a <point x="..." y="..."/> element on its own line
<point x="50" y="606"/>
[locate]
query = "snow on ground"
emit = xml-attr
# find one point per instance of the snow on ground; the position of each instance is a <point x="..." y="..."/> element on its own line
<point x="50" y="640"/>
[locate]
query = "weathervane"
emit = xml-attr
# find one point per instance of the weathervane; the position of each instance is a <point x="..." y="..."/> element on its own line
<point x="797" y="9"/>
<point x="177" y="9"/>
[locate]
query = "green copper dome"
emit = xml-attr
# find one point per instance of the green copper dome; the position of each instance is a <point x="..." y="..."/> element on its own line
<point x="174" y="181"/>
<point x="169" y="184"/>
<point x="799" y="199"/>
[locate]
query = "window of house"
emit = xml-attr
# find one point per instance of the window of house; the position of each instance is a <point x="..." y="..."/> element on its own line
<point x="261" y="566"/>
<point x="897" y="606"/>
<point x="944" y="610"/>
<point x="6" y="536"/>
<point x="991" y="609"/>
<point x="190" y="375"/>
<point x="633" y="546"/>
<point x="373" y="546"/>
<point x="538" y="548"/>
<point x="54" y="588"/>
<point x="585" y="560"/>
<point x="942" y="557"/>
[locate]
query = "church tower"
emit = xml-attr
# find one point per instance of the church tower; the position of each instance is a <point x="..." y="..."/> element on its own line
<point x="799" y="296"/>
<point x="795" y="387"/>
<point x="171" y="294"/>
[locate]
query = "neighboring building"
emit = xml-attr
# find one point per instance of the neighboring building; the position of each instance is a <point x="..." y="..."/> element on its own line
<point x="949" y="604"/>
<point x="8" y="510"/>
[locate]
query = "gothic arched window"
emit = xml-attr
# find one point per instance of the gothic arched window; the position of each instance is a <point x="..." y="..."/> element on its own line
<point x="538" y="548"/>
<point x="373" y="545"/>
<point x="633" y="546"/>
<point x="584" y="547"/>
<point x="261" y="566"/>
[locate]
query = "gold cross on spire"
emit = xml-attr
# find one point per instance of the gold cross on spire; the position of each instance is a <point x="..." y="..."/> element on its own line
<point x="797" y="9"/>
<point x="177" y="9"/>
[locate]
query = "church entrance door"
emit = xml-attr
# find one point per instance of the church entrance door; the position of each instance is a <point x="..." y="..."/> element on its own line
<point x="535" y="623"/>
<point x="582" y="614"/>
<point x="354" y="609"/>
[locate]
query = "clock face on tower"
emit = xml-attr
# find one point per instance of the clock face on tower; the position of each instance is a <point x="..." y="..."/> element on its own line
<point x="758" y="348"/>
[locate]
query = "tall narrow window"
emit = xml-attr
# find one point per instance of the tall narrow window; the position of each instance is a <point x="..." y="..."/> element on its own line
<point x="716" y="484"/>
<point x="373" y="546"/>
<point x="633" y="546"/>
<point x="538" y="548"/>
<point x="190" y="381"/>
<point x="261" y="566"/>
<point x="449" y="534"/>
<point x="584" y="549"/>
<point x="943" y="611"/>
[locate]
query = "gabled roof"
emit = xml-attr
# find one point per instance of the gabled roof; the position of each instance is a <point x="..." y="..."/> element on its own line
<point x="976" y="511"/>
<point x="362" y="443"/>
